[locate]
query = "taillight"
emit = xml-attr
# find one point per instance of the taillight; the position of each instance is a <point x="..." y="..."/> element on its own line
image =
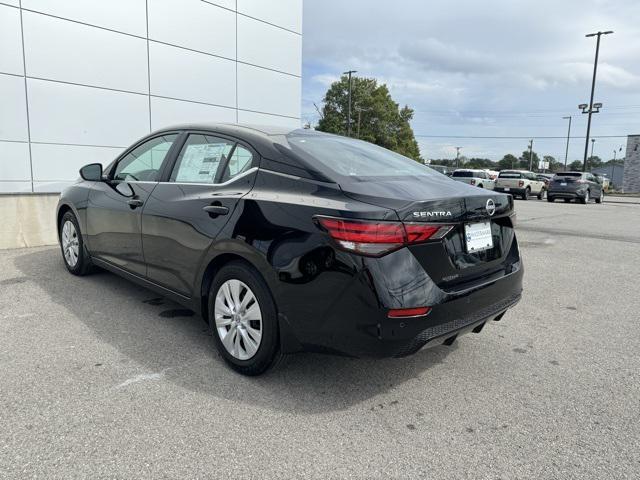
<point x="473" y="182"/>
<point x="408" y="312"/>
<point x="581" y="181"/>
<point x="376" y="238"/>
<point x="521" y="183"/>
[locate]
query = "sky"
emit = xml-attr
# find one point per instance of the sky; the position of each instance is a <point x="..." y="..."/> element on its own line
<point x="484" y="68"/>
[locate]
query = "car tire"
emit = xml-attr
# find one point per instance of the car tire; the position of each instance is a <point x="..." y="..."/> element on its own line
<point x="480" y="186"/>
<point x="601" y="198"/>
<point x="586" y="198"/>
<point x="550" y="199"/>
<point x="74" y="254"/>
<point x="567" y="200"/>
<point x="243" y="319"/>
<point x="525" y="195"/>
<point x="541" y="194"/>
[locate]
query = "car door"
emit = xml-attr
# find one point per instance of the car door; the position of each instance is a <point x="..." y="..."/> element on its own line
<point x="536" y="184"/>
<point x="114" y="206"/>
<point x="594" y="186"/>
<point x="193" y="203"/>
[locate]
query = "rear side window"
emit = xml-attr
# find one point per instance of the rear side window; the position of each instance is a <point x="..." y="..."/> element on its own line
<point x="143" y="163"/>
<point x="240" y="162"/>
<point x="352" y="159"/>
<point x="200" y="158"/>
<point x="463" y="174"/>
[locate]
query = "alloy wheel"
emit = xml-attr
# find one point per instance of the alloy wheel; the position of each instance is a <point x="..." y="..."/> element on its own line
<point x="238" y="319"/>
<point x="70" y="243"/>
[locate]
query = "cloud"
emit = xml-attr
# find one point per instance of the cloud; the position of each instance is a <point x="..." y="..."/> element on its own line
<point x="435" y="55"/>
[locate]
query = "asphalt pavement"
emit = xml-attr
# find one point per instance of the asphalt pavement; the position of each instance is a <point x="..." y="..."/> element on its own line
<point x="100" y="378"/>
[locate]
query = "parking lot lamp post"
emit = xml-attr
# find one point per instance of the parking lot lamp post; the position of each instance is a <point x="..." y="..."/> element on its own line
<point x="591" y="106"/>
<point x="566" y="151"/>
<point x="458" y="156"/>
<point x="593" y="142"/>
<point x="531" y="155"/>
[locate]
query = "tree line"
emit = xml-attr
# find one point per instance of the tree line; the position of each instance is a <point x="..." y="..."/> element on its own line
<point x="510" y="161"/>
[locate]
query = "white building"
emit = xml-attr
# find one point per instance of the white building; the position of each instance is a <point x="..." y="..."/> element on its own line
<point x="80" y="80"/>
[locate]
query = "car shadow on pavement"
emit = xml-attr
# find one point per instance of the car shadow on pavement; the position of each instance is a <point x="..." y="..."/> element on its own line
<point x="165" y="338"/>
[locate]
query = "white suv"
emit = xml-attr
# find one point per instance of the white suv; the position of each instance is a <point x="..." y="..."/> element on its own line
<point x="479" y="178"/>
<point x="520" y="183"/>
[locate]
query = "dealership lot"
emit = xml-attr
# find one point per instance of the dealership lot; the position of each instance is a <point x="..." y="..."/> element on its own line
<point x="101" y="378"/>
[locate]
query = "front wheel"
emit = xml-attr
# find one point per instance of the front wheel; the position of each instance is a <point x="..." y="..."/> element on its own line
<point x="542" y="194"/>
<point x="75" y="258"/>
<point x="243" y="319"/>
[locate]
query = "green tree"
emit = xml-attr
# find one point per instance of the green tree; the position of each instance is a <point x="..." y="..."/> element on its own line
<point x="594" y="162"/>
<point x="524" y="160"/>
<point x="508" y="161"/>
<point x="575" y="166"/>
<point x="375" y="117"/>
<point x="481" y="163"/>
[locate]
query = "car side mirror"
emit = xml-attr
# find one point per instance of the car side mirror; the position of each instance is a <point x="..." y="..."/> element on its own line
<point x="92" y="172"/>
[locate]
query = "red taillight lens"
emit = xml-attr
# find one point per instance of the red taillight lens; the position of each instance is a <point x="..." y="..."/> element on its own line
<point x="473" y="182"/>
<point x="408" y="312"/>
<point x="375" y="238"/>
<point x="520" y="183"/>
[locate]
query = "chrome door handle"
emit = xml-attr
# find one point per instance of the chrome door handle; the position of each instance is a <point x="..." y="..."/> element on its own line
<point x="216" y="210"/>
<point x="135" y="203"/>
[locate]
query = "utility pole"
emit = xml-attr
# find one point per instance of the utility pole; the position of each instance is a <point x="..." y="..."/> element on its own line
<point x="458" y="156"/>
<point x="531" y="155"/>
<point x="349" y="110"/>
<point x="593" y="142"/>
<point x="566" y="152"/>
<point x="591" y="105"/>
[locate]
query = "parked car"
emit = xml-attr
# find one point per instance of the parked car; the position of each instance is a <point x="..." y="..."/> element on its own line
<point x="521" y="183"/>
<point x="603" y="180"/>
<point x="287" y="240"/>
<point x="581" y="186"/>
<point x="477" y="178"/>
<point x="442" y="169"/>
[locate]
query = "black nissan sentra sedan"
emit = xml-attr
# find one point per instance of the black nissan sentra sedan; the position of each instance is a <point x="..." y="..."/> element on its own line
<point x="289" y="240"/>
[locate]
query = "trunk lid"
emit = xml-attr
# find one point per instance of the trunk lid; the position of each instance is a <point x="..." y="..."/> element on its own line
<point x="445" y="201"/>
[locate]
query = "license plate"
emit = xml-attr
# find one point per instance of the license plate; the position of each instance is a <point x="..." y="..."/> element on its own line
<point x="506" y="189"/>
<point x="563" y="184"/>
<point x="478" y="236"/>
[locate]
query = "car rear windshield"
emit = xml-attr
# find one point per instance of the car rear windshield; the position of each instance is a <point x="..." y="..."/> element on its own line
<point x="569" y="174"/>
<point x="463" y="174"/>
<point x="353" y="159"/>
<point x="510" y="175"/>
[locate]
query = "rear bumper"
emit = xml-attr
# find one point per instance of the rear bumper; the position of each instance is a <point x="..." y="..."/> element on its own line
<point x="357" y="324"/>
<point x="567" y="193"/>
<point x="512" y="191"/>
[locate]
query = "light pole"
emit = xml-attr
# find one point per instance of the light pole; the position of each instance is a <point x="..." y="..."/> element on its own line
<point x="531" y="155"/>
<point x="458" y="156"/>
<point x="349" y="72"/>
<point x="359" y="110"/>
<point x="593" y="142"/>
<point x="592" y="108"/>
<point x="566" y="152"/>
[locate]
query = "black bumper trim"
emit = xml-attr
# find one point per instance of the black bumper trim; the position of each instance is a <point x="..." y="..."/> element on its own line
<point x="450" y="328"/>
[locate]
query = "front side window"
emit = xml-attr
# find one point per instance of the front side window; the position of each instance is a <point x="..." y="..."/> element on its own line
<point x="144" y="163"/>
<point x="200" y="158"/>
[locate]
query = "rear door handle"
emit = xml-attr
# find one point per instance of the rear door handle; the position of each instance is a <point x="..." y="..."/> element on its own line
<point x="135" y="202"/>
<point x="216" y="209"/>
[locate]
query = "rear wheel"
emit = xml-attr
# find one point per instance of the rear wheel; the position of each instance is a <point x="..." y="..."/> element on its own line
<point x="243" y="319"/>
<point x="75" y="258"/>
<point x="527" y="192"/>
<point x="567" y="200"/>
<point x="601" y="198"/>
<point x="586" y="198"/>
<point x="550" y="199"/>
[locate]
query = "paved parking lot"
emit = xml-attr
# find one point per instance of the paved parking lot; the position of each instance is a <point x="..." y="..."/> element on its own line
<point x="101" y="378"/>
